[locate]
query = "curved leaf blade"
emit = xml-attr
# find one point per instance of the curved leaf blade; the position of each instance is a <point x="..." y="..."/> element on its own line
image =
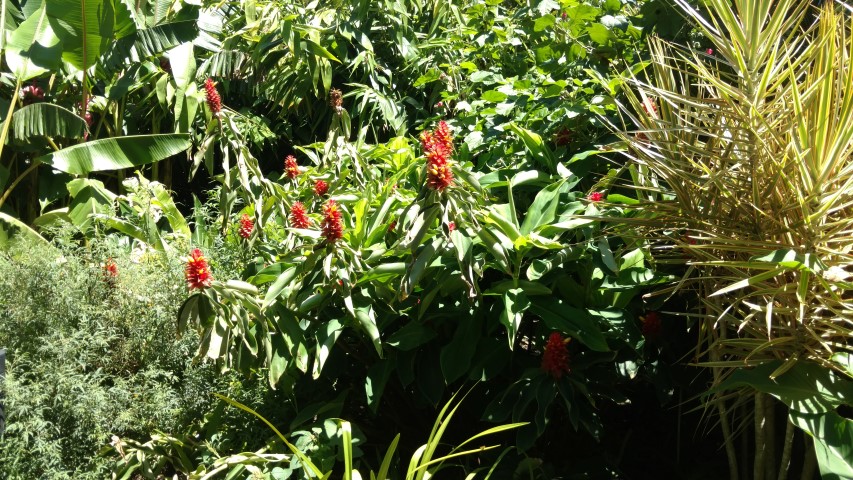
<point x="46" y="120"/>
<point x="117" y="153"/>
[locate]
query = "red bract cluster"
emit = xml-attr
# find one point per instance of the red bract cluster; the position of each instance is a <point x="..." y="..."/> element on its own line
<point x="246" y="226"/>
<point x="298" y="217"/>
<point x="651" y="325"/>
<point x="321" y="187"/>
<point x="555" y="360"/>
<point x="32" y="93"/>
<point x="291" y="169"/>
<point x="214" y="101"/>
<point x="198" y="272"/>
<point x="438" y="147"/>
<point x="451" y="226"/>
<point x="595" y="197"/>
<point x="110" y="272"/>
<point x="563" y="137"/>
<point x="333" y="227"/>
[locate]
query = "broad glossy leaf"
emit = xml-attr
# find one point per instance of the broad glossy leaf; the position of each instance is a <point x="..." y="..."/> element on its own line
<point x="578" y="323"/>
<point x="117" y="153"/>
<point x="833" y="442"/>
<point x="86" y="28"/>
<point x="10" y="225"/>
<point x="33" y="48"/>
<point x="147" y="43"/>
<point x="410" y="336"/>
<point x="47" y="120"/>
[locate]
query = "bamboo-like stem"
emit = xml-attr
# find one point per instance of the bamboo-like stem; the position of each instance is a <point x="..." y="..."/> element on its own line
<point x="758" y="424"/>
<point x="18" y="180"/>
<point x="8" y="120"/>
<point x="810" y="462"/>
<point x="786" y="451"/>
<point x="770" y="438"/>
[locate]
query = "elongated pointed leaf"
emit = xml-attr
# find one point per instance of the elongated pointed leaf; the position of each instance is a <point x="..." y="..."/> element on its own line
<point x="147" y="43"/>
<point x="9" y="223"/>
<point x="47" y="120"/>
<point x="33" y="48"/>
<point x="86" y="28"/>
<point x="117" y="153"/>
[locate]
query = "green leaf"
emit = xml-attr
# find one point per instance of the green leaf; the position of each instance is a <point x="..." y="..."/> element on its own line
<point x="833" y="442"/>
<point x="46" y="120"/>
<point x="543" y="210"/>
<point x="536" y="147"/>
<point x="377" y="377"/>
<point x="806" y="387"/>
<point x="89" y="197"/>
<point x="318" y="50"/>
<point x="11" y="226"/>
<point x="33" y="48"/>
<point x="86" y="28"/>
<point x="544" y="22"/>
<point x="147" y="43"/>
<point x="412" y="335"/>
<point x="515" y="304"/>
<point x="578" y="323"/>
<point x="456" y="356"/>
<point x="791" y="259"/>
<point x="117" y="153"/>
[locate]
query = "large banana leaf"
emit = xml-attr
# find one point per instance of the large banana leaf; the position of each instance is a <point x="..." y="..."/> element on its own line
<point x="33" y="48"/>
<point x="116" y="153"/>
<point x="10" y="225"/>
<point x="87" y="28"/>
<point x="146" y="43"/>
<point x="47" y="120"/>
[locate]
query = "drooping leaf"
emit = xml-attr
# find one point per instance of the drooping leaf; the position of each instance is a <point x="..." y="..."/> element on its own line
<point x="48" y="120"/>
<point x="147" y="43"/>
<point x="116" y="153"/>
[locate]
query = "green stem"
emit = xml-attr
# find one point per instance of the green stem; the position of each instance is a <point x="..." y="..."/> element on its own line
<point x="8" y="121"/>
<point x="18" y="180"/>
<point x="760" y="450"/>
<point x="786" y="451"/>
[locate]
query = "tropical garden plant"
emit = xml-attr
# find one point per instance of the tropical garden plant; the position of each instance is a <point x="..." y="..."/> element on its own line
<point x="365" y="207"/>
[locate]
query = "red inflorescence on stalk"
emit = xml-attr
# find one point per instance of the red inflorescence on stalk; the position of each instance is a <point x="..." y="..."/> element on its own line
<point x="291" y="169"/>
<point x="214" y="101"/>
<point x="451" y="226"/>
<point x="333" y="227"/>
<point x="595" y="197"/>
<point x="650" y="107"/>
<point x="320" y="188"/>
<point x="198" y="272"/>
<point x="438" y="147"/>
<point x="110" y="272"/>
<point x="555" y="360"/>
<point x="246" y="226"/>
<point x="298" y="217"/>
<point x="651" y="325"/>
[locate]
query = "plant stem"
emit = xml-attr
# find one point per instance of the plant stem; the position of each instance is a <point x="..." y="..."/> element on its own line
<point x="8" y="120"/>
<point x="759" y="422"/>
<point x="18" y="180"/>
<point x="786" y="451"/>
<point x="810" y="462"/>
<point x="770" y="432"/>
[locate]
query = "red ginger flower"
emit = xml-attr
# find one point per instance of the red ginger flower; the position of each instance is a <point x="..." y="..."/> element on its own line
<point x="333" y="228"/>
<point x="321" y="187"/>
<point x="650" y="107"/>
<point x="451" y="226"/>
<point x="246" y="226"/>
<point x="213" y="99"/>
<point x="298" y="217"/>
<point x="110" y="272"/>
<point x="198" y="272"/>
<point x="291" y="169"/>
<point x="651" y="325"/>
<point x="595" y="197"/>
<point x="438" y="146"/>
<point x="555" y="360"/>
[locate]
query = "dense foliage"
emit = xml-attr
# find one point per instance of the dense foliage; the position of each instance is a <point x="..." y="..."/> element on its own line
<point x="571" y="224"/>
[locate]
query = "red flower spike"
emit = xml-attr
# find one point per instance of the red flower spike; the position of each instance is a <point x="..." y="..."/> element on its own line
<point x="595" y="197"/>
<point x="246" y="226"/>
<point x="438" y="147"/>
<point x="110" y="272"/>
<point x="563" y="137"/>
<point x="555" y="360"/>
<point x="651" y="325"/>
<point x="451" y="226"/>
<point x="291" y="169"/>
<point x="298" y="217"/>
<point x="333" y="227"/>
<point x="392" y="225"/>
<point x="710" y="51"/>
<point x="198" y="272"/>
<point x="214" y="101"/>
<point x="320" y="188"/>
